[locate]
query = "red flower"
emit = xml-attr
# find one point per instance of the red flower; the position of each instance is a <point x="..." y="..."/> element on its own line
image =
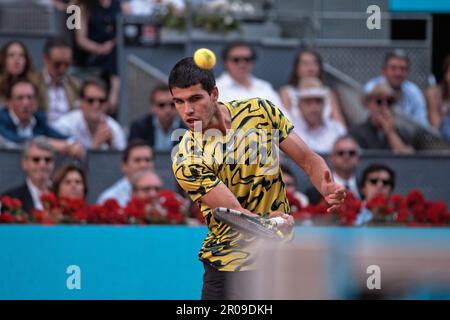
<point x="6" y="217"/>
<point x="49" y="200"/>
<point x="436" y="213"/>
<point x="7" y="202"/>
<point x="415" y="197"/>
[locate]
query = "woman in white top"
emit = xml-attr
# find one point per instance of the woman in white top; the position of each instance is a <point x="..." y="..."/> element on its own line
<point x="308" y="64"/>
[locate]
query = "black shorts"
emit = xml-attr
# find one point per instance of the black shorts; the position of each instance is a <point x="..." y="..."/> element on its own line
<point x="225" y="285"/>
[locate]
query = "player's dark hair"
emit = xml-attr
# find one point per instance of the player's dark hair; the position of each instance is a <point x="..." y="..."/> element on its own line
<point x="186" y="74"/>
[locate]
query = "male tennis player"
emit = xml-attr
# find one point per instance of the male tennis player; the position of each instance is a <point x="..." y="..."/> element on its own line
<point x="216" y="165"/>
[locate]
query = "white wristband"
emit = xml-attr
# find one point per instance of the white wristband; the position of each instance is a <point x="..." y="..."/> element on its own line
<point x="279" y="220"/>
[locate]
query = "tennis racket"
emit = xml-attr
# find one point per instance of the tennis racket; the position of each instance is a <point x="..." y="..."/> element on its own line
<point x="262" y="227"/>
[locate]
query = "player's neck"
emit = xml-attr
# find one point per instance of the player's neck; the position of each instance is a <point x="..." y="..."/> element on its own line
<point x="221" y="119"/>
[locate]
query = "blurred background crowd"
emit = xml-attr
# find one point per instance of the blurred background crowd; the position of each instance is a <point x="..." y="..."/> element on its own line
<point x="86" y="117"/>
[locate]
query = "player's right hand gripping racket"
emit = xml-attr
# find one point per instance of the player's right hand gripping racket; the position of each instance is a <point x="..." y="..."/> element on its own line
<point x="263" y="227"/>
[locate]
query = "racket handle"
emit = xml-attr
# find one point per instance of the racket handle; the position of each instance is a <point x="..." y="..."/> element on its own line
<point x="279" y="220"/>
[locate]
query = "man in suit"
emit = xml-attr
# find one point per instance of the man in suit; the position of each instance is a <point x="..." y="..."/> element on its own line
<point x="58" y="91"/>
<point x="157" y="126"/>
<point x="38" y="161"/>
<point x="344" y="159"/>
<point x="21" y="121"/>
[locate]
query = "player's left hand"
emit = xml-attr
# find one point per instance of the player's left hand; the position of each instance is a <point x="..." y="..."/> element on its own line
<point x="333" y="193"/>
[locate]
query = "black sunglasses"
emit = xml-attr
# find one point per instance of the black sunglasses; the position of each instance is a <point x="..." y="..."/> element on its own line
<point x="92" y="100"/>
<point x="47" y="160"/>
<point x="386" y="182"/>
<point x="350" y="153"/>
<point x="162" y="105"/>
<point x="241" y="59"/>
<point x="380" y="101"/>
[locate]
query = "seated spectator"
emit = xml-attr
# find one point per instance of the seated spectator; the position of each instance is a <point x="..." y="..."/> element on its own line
<point x="156" y="128"/>
<point x="308" y="64"/>
<point x="69" y="181"/>
<point x="395" y="73"/>
<point x="291" y="187"/>
<point x="380" y="130"/>
<point x="438" y="102"/>
<point x="38" y="161"/>
<point x="344" y="159"/>
<point x="318" y="131"/>
<point x="137" y="156"/>
<point x="97" y="37"/>
<point x="20" y="121"/>
<point x="58" y="91"/>
<point x="146" y="185"/>
<point x="90" y="125"/>
<point x="377" y="179"/>
<point x="237" y="81"/>
<point x="15" y="63"/>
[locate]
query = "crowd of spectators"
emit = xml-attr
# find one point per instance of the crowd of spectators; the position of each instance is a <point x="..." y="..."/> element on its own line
<point x="51" y="113"/>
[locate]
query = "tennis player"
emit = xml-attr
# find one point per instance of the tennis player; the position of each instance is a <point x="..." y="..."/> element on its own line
<point x="227" y="158"/>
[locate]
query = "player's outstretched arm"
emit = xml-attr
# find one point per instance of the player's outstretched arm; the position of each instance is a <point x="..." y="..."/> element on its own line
<point x="316" y="169"/>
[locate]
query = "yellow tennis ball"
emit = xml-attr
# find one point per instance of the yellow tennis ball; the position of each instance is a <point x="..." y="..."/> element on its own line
<point x="205" y="58"/>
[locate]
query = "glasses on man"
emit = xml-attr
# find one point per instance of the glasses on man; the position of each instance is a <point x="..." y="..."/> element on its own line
<point x="384" y="101"/>
<point x="92" y="100"/>
<point x="240" y="59"/>
<point x="350" y="153"/>
<point x="385" y="182"/>
<point x="148" y="188"/>
<point x="24" y="97"/>
<point x="163" y="104"/>
<point x="46" y="160"/>
<point x="60" y="64"/>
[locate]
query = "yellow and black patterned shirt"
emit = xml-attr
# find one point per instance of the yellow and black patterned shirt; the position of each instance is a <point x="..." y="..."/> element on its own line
<point x="246" y="161"/>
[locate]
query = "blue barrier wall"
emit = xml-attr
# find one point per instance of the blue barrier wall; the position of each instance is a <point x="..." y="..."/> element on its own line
<point x="143" y="262"/>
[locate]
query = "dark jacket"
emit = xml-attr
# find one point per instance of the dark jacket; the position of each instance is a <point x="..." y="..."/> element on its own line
<point x="9" y="130"/>
<point x="143" y="128"/>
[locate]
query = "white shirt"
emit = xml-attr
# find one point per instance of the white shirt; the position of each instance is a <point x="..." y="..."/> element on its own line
<point x="24" y="132"/>
<point x="58" y="104"/>
<point x="74" y="125"/>
<point x="231" y="90"/>
<point x="120" y="191"/>
<point x="319" y="139"/>
<point x="35" y="195"/>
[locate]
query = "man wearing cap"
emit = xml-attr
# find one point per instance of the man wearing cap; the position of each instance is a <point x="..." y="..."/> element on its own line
<point x="380" y="130"/>
<point x="318" y="131"/>
<point x="395" y="73"/>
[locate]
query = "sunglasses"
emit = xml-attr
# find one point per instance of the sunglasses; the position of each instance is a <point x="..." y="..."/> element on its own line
<point x="23" y="97"/>
<point x="350" y="153"/>
<point x="241" y="59"/>
<point x="162" y="105"/>
<point x="148" y="188"/>
<point x="47" y="160"/>
<point x="386" y="182"/>
<point x="59" y="64"/>
<point x="380" y="101"/>
<point x="93" y="100"/>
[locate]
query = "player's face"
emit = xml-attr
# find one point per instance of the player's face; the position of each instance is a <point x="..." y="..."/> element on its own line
<point x="195" y="105"/>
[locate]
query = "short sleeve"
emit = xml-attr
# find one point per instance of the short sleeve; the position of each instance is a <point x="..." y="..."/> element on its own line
<point x="192" y="173"/>
<point x="279" y="121"/>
